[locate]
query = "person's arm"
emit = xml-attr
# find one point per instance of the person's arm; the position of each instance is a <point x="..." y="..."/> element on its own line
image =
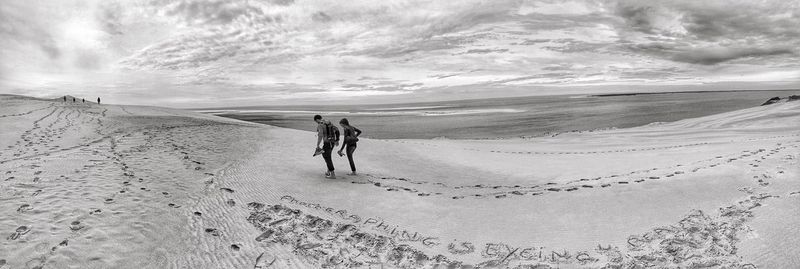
<point x="358" y="132"/>
<point x="345" y="137"/>
<point x="319" y="135"/>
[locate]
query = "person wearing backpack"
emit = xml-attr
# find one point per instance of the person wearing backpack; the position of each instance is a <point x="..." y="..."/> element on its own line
<point x="329" y="135"/>
<point x="351" y="134"/>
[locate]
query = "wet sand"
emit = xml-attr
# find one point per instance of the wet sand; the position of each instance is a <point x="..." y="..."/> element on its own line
<point x="106" y="186"/>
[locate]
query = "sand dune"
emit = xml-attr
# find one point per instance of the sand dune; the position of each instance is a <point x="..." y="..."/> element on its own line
<point x="105" y="186"/>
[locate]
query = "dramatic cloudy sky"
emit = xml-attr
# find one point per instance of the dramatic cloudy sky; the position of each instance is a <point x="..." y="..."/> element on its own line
<point x="248" y="52"/>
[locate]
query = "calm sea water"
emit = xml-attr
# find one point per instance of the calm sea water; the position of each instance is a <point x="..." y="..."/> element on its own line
<point x="508" y="117"/>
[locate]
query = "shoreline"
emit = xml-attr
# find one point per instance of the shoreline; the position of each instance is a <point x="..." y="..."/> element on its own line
<point x="677" y="92"/>
<point x="541" y="118"/>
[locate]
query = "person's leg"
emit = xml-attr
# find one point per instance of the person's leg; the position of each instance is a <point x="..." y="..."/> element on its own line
<point x="350" y="149"/>
<point x="328" y="148"/>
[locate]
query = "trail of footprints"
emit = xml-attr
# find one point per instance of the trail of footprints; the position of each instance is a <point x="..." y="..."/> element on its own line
<point x="60" y="120"/>
<point x="424" y="188"/>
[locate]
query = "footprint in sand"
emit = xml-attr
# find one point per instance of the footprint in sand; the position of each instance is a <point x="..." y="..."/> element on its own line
<point x="24" y="208"/>
<point x="173" y="205"/>
<point x="639" y="180"/>
<point x="230" y="202"/>
<point x="197" y="214"/>
<point x="62" y="244"/>
<point x="109" y="200"/>
<point x="228" y="190"/>
<point x="165" y="193"/>
<point x="212" y="231"/>
<point x="554" y="189"/>
<point x="20" y="231"/>
<point x="76" y="226"/>
<point x="95" y="211"/>
<point x="572" y="189"/>
<point x="235" y="247"/>
<point x="622" y="182"/>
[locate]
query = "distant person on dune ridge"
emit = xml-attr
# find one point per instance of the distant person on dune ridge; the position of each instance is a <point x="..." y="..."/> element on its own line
<point x="83" y="100"/>
<point x="73" y="99"/>
<point x="329" y="134"/>
<point x="65" y="98"/>
<point x="98" y="100"/>
<point x="351" y="134"/>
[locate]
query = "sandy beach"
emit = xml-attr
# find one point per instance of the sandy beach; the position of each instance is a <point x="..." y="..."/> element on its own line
<point x="111" y="186"/>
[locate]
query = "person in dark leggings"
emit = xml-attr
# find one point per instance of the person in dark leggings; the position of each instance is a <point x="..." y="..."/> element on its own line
<point x="350" y="139"/>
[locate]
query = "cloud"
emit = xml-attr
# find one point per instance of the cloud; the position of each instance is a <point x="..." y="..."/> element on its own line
<point x="296" y="49"/>
<point x="483" y="51"/>
<point x="19" y="27"/>
<point x="710" y="55"/>
<point x="718" y="55"/>
<point x="212" y="12"/>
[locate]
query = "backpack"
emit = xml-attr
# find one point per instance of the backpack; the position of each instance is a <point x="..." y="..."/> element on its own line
<point x="331" y="133"/>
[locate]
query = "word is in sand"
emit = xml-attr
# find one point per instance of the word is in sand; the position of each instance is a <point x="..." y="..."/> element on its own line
<point x="374" y="223"/>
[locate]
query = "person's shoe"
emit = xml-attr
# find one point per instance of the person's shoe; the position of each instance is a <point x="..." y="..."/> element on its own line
<point x="327" y="173"/>
<point x="352" y="173"/>
<point x="332" y="175"/>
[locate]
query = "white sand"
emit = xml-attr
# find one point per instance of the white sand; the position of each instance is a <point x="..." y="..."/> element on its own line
<point x="103" y="186"/>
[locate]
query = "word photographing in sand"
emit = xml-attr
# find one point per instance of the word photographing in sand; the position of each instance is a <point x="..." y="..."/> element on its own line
<point x="375" y="224"/>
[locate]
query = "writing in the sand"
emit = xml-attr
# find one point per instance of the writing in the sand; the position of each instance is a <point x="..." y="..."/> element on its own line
<point x="376" y="224"/>
<point x="504" y="253"/>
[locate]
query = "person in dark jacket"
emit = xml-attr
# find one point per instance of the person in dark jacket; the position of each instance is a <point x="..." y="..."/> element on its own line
<point x="351" y="134"/>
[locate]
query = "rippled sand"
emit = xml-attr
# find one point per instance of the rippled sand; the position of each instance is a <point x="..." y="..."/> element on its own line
<point x="104" y="186"/>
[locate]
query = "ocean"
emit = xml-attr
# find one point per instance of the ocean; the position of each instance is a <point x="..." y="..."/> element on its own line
<point x="507" y="117"/>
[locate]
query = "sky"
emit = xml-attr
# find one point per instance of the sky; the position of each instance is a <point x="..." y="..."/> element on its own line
<point x="189" y="53"/>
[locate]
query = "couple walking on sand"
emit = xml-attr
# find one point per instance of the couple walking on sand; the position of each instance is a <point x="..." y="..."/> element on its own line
<point x="328" y="134"/>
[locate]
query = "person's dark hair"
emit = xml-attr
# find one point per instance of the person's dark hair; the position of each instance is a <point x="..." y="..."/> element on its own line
<point x="317" y="117"/>
<point x="344" y="121"/>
